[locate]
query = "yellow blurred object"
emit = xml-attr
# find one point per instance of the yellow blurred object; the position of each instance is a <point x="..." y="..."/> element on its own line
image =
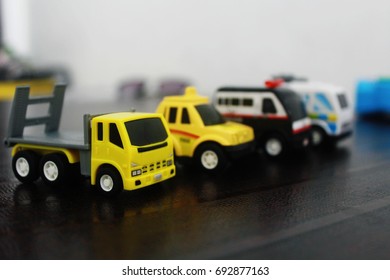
<point x="37" y="87"/>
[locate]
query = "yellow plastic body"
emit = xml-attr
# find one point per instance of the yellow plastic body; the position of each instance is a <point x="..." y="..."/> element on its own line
<point x="72" y="155"/>
<point x="188" y="136"/>
<point x="37" y="87"/>
<point x="155" y="165"/>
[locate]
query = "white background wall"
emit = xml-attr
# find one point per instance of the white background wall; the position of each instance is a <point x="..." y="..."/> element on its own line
<point x="212" y="42"/>
<point x="15" y="23"/>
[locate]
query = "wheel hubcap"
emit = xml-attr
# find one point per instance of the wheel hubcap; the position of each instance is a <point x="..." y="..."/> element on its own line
<point x="273" y="147"/>
<point x="22" y="167"/>
<point x="209" y="159"/>
<point x="50" y="170"/>
<point x="317" y="138"/>
<point x="106" y="183"/>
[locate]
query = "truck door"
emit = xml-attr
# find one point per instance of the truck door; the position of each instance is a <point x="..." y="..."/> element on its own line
<point x="108" y="147"/>
<point x="184" y="124"/>
<point x="345" y="117"/>
<point x="325" y="111"/>
<point x="116" y="146"/>
<point x="179" y="120"/>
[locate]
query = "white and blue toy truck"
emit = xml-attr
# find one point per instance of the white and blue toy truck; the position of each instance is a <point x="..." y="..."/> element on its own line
<point x="327" y="105"/>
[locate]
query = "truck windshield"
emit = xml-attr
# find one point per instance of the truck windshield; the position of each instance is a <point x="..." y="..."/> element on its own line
<point x="146" y="131"/>
<point x="293" y="104"/>
<point x="209" y="115"/>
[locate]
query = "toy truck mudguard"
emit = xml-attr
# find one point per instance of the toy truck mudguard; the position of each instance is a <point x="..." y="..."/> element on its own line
<point x="118" y="150"/>
<point x="199" y="132"/>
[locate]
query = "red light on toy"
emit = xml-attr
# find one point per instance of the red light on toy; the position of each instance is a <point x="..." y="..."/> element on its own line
<point x="273" y="83"/>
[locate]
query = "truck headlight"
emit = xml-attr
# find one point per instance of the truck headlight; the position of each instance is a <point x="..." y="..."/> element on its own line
<point x="169" y="162"/>
<point x="136" y="172"/>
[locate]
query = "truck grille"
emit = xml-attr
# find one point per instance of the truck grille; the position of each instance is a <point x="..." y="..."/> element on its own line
<point x="156" y="166"/>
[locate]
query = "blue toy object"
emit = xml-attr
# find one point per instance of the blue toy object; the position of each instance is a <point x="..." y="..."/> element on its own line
<point x="373" y="96"/>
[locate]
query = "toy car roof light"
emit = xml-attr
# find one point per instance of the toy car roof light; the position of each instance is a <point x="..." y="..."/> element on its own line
<point x="289" y="78"/>
<point x="190" y="91"/>
<point x="273" y="83"/>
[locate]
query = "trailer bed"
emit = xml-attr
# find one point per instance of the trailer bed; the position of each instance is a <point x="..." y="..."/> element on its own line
<point x="62" y="139"/>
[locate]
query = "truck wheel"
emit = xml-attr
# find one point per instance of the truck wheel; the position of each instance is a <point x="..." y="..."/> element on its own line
<point x="25" y="166"/>
<point x="211" y="158"/>
<point x="109" y="181"/>
<point x="318" y="137"/>
<point x="55" y="169"/>
<point x="274" y="146"/>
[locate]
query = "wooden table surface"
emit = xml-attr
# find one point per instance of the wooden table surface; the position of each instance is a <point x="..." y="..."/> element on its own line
<point x="321" y="204"/>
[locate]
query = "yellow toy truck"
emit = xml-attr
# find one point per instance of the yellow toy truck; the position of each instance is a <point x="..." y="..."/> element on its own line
<point x="117" y="151"/>
<point x="201" y="133"/>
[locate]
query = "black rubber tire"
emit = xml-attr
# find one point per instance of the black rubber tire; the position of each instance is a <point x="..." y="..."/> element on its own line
<point x="109" y="181"/>
<point x="211" y="158"/>
<point x="55" y="169"/>
<point x="318" y="137"/>
<point x="274" y="146"/>
<point x="25" y="165"/>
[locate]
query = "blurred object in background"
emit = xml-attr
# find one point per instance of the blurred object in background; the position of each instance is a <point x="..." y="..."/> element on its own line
<point x="173" y="86"/>
<point x="132" y="89"/>
<point x="287" y="77"/>
<point x="42" y="86"/>
<point x="13" y="68"/>
<point x="16" y="72"/>
<point x="373" y="98"/>
<point x="60" y="74"/>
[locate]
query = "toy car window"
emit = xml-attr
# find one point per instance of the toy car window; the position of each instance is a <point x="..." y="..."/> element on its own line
<point x="235" y="101"/>
<point x="115" y="138"/>
<point x="185" y="118"/>
<point x="306" y="98"/>
<point x="342" y="100"/>
<point x="295" y="108"/>
<point x="248" y="102"/>
<point x="293" y="104"/>
<point x="99" y="131"/>
<point x="268" y="106"/>
<point x="146" y="131"/>
<point x="323" y="102"/>
<point x="172" y="115"/>
<point x="209" y="115"/>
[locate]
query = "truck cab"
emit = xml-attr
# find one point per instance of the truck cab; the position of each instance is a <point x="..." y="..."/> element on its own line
<point x="137" y="145"/>
<point x="201" y="133"/>
<point x="328" y="107"/>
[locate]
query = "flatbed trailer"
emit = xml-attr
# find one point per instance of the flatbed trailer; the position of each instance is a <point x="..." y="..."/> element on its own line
<point x="117" y="150"/>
